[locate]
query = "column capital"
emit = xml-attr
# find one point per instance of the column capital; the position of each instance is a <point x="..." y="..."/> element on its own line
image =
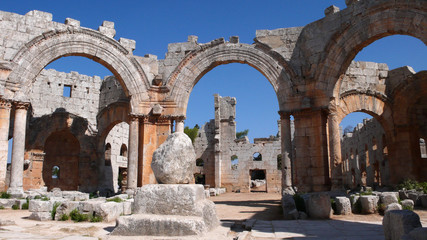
<point x="133" y="117"/>
<point x="284" y="115"/>
<point x="179" y="118"/>
<point x="5" y="104"/>
<point x="22" y="105"/>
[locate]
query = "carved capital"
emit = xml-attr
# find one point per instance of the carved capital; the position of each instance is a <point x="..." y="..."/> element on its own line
<point x="22" y="105"/>
<point x="5" y="104"/>
<point x="179" y="118"/>
<point x="284" y="115"/>
<point x="133" y="117"/>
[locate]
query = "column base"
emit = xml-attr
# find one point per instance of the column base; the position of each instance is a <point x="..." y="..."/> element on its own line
<point x="17" y="192"/>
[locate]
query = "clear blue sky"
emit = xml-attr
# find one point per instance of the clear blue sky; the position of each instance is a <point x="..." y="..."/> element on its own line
<point x="154" y="24"/>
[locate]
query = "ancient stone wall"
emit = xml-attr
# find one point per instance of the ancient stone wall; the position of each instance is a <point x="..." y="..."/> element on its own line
<point x="236" y="156"/>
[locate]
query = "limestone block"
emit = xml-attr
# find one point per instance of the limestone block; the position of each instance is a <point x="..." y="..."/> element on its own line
<point x="393" y="206"/>
<point x="127" y="208"/>
<point x="319" y="206"/>
<point x="75" y="195"/>
<point x="66" y="208"/>
<point x="109" y="32"/>
<point x="331" y="10"/>
<point x="207" y="193"/>
<point x="19" y="202"/>
<point x="109" y="211"/>
<point x="408" y="203"/>
<point x="40" y="206"/>
<point x="288" y="205"/>
<point x="170" y="199"/>
<point x="423" y="199"/>
<point x="416" y="234"/>
<point x="343" y="206"/>
<point x="369" y="204"/>
<point x="40" y="216"/>
<point x="414" y="196"/>
<point x="396" y="223"/>
<point x="174" y="161"/>
<point x="302" y="215"/>
<point x="403" y="195"/>
<point x="158" y="225"/>
<point x="388" y="198"/>
<point x="72" y="22"/>
<point x="7" y="203"/>
<point x="212" y="192"/>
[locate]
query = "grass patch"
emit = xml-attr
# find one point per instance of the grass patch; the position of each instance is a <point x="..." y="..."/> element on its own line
<point x="76" y="216"/>
<point x="15" y="207"/>
<point x="116" y="199"/>
<point x="5" y="195"/>
<point x="64" y="217"/>
<point x="366" y="193"/>
<point x="408" y="207"/>
<point x="25" y="205"/>
<point x="95" y="219"/>
<point x="55" y="206"/>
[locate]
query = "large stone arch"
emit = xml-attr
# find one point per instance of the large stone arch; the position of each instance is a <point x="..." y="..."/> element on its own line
<point x="199" y="62"/>
<point x="361" y="24"/>
<point x="109" y="116"/>
<point x="39" y="52"/>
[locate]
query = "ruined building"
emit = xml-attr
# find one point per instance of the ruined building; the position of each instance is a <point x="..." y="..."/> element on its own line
<point x="310" y="69"/>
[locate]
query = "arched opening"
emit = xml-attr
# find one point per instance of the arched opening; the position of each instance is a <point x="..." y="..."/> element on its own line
<point x="62" y="151"/>
<point x="124" y="150"/>
<point x="107" y="155"/>
<point x="257" y="157"/>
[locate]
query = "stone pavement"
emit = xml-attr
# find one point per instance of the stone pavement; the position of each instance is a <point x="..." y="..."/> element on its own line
<point x="324" y="229"/>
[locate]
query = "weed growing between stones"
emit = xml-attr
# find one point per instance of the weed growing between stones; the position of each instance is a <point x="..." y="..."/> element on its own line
<point x="15" y="207"/>
<point x="410" y="208"/>
<point x="1" y="207"/>
<point x="64" y="217"/>
<point x="55" y="206"/>
<point x="76" y="216"/>
<point x="25" y="205"/>
<point x="5" y="195"/>
<point x="43" y="198"/>
<point x="116" y="199"/>
<point x="96" y="219"/>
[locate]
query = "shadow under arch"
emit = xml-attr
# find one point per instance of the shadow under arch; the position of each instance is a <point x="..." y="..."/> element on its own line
<point x="196" y="64"/>
<point x="39" y="52"/>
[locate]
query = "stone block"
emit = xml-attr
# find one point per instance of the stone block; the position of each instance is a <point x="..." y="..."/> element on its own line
<point x="369" y="204"/>
<point x="72" y="22"/>
<point x="19" y="202"/>
<point x="343" y="206"/>
<point x="288" y="205"/>
<point x="158" y="225"/>
<point x="170" y="199"/>
<point x="423" y="199"/>
<point x="416" y="234"/>
<point x="397" y="223"/>
<point x="7" y="203"/>
<point x="109" y="211"/>
<point x="40" y="206"/>
<point x="207" y="193"/>
<point x="388" y="198"/>
<point x="331" y="10"/>
<point x="66" y="208"/>
<point x="319" y="206"/>
<point x="129" y="44"/>
<point x="393" y="206"/>
<point x="403" y="195"/>
<point x="414" y="196"/>
<point x="127" y="208"/>
<point x="41" y="216"/>
<point x="408" y="203"/>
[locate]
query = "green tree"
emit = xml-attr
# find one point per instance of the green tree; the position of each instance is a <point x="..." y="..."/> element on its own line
<point x="242" y="134"/>
<point x="192" y="132"/>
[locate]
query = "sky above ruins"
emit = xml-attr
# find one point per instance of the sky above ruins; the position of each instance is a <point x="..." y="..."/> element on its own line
<point x="154" y="24"/>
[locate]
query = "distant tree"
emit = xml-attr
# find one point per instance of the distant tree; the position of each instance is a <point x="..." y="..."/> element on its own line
<point x="348" y="129"/>
<point x="192" y="132"/>
<point x="242" y="134"/>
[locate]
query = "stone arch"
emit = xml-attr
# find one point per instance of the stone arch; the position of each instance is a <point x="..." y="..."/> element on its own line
<point x="198" y="63"/>
<point x="363" y="23"/>
<point x="111" y="115"/>
<point x="49" y="46"/>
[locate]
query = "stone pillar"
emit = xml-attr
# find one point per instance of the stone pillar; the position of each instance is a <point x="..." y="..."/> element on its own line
<point x="5" y="107"/>
<point x="133" y="153"/>
<point x="285" y="128"/>
<point x="179" y="124"/>
<point x="18" y="149"/>
<point x="335" y="151"/>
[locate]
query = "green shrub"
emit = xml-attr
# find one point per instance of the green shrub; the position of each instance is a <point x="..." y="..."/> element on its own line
<point x="76" y="216"/>
<point x="116" y="199"/>
<point x="25" y="205"/>
<point x="5" y="195"/>
<point x="1" y="207"/>
<point x="15" y="207"/>
<point x="64" y="217"/>
<point x="366" y="193"/>
<point x="55" y="206"/>
<point x="96" y="219"/>
<point x="408" y="207"/>
<point x="299" y="203"/>
<point x="409" y="184"/>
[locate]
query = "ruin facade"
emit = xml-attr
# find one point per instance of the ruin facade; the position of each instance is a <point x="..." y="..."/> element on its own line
<point x="310" y="69"/>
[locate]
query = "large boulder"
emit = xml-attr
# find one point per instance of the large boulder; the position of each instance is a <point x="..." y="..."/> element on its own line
<point x="174" y="161"/>
<point x="369" y="204"/>
<point x="319" y="206"/>
<point x="397" y="223"/>
<point x="343" y="205"/>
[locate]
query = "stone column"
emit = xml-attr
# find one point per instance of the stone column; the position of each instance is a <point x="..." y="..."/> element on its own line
<point x="286" y="140"/>
<point x="133" y="153"/>
<point x="335" y="151"/>
<point x="179" y="124"/>
<point x="18" y="149"/>
<point x="5" y="107"/>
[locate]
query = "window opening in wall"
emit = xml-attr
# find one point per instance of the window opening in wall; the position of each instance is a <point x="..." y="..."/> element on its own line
<point x="108" y="154"/>
<point x="257" y="156"/>
<point x="123" y="150"/>
<point x="67" y="91"/>
<point x="423" y="149"/>
<point x="200" y="162"/>
<point x="234" y="162"/>
<point x="55" y="172"/>
<point x="122" y="179"/>
<point x="258" y="180"/>
<point x="199" y="178"/>
<point x="279" y="162"/>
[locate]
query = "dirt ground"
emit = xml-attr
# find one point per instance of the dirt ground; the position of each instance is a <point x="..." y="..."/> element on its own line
<point x="230" y="207"/>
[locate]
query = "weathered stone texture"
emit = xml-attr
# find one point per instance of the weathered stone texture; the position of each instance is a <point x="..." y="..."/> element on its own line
<point x="396" y="223"/>
<point x="319" y="206"/>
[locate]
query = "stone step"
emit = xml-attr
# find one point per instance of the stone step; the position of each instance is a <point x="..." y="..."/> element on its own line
<point x="159" y="225"/>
